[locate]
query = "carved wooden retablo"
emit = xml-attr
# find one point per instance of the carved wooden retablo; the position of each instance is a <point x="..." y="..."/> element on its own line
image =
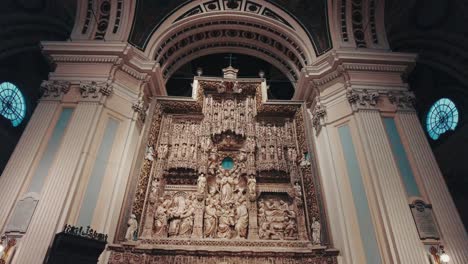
<point x="223" y="173"/>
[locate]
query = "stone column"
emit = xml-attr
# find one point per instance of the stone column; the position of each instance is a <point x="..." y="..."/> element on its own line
<point x="253" y="222"/>
<point x="198" y="219"/>
<point x="454" y="235"/>
<point x="20" y="162"/>
<point x="19" y="165"/>
<point x="385" y="179"/>
<point x="58" y="185"/>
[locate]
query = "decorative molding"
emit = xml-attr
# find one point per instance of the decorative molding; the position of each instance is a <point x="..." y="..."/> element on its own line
<point x="362" y="98"/>
<point x="93" y="90"/>
<point x="54" y="89"/>
<point x="85" y="58"/>
<point x="357" y="19"/>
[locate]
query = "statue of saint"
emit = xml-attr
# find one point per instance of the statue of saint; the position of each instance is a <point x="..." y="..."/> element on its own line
<point x="242" y="219"/>
<point x="132" y="229"/>
<point x="315" y="231"/>
<point x="226" y="220"/>
<point x="201" y="183"/>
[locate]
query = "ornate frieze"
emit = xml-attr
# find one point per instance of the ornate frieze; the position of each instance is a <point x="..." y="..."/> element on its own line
<point x="54" y="89"/>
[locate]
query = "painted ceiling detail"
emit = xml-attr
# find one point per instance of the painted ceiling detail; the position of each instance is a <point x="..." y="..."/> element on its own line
<point x="311" y="15"/>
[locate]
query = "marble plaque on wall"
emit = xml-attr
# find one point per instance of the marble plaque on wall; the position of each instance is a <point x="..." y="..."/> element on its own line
<point x="424" y="219"/>
<point x="22" y="214"/>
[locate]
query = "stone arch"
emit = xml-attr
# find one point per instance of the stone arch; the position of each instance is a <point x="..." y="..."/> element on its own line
<point x="194" y="30"/>
<point x="358" y="24"/>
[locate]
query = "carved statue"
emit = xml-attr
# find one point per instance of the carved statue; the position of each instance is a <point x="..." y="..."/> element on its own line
<point x="132" y="229"/>
<point x="210" y="219"/>
<point x="242" y="219"/>
<point x="186" y="225"/>
<point x="227" y="183"/>
<point x="251" y="184"/>
<point x="149" y="153"/>
<point x="160" y="217"/>
<point x="201" y="184"/>
<point x="316" y="231"/>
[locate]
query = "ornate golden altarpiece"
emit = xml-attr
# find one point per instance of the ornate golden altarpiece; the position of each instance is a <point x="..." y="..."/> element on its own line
<point x="225" y="178"/>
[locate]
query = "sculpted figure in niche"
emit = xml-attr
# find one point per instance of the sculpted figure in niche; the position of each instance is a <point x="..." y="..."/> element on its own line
<point x="160" y="217"/>
<point x="186" y="225"/>
<point x="132" y="229"/>
<point x="251" y="184"/>
<point x="242" y="218"/>
<point x="315" y="231"/>
<point x="201" y="184"/>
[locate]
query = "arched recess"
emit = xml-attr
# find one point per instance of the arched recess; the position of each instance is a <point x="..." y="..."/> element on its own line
<point x="194" y="31"/>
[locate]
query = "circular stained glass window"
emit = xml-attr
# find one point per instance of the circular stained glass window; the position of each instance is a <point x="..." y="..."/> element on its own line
<point x="12" y="105"/>
<point x="442" y="117"/>
<point x="227" y="163"/>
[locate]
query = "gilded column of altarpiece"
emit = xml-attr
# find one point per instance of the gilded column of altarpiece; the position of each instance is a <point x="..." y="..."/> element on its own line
<point x="225" y="172"/>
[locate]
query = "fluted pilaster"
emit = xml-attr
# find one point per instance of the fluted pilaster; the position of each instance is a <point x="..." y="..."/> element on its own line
<point x="399" y="226"/>
<point x="56" y="188"/>
<point x="454" y="235"/>
<point x="20" y="162"/>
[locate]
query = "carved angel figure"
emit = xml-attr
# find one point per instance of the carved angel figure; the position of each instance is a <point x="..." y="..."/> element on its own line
<point x="251" y="184"/>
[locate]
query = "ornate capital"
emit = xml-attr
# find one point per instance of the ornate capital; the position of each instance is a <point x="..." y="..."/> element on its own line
<point x="54" y="89"/>
<point x="402" y="100"/>
<point x="362" y="99"/>
<point x="318" y="117"/>
<point x="94" y="90"/>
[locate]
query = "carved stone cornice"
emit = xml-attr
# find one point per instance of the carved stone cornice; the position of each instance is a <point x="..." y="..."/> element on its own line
<point x="54" y="89"/>
<point x="95" y="91"/>
<point x="318" y="117"/>
<point x="404" y="100"/>
<point x="362" y="98"/>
